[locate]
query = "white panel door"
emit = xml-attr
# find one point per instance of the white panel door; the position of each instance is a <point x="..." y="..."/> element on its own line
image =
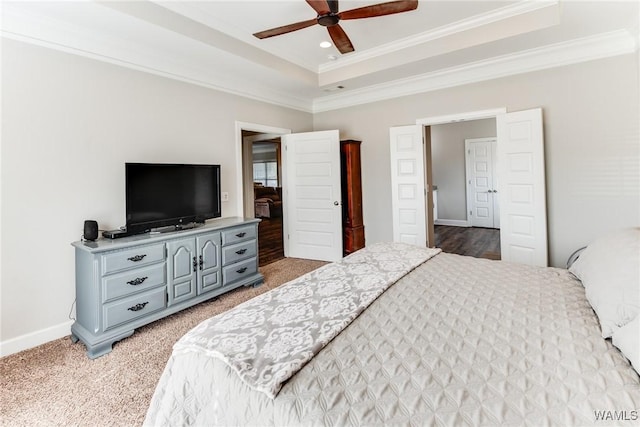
<point x="523" y="219"/>
<point x="408" y="185"/>
<point x="480" y="176"/>
<point x="312" y="195"/>
<point x="496" y="194"/>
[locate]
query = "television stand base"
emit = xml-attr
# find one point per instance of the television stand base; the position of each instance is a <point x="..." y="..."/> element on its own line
<point x="115" y="234"/>
<point x="177" y="227"/>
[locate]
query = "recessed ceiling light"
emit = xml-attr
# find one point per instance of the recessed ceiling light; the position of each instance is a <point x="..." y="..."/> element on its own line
<point x="325" y="44"/>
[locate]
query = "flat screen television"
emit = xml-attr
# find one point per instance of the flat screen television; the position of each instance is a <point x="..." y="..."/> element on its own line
<point x="161" y="195"/>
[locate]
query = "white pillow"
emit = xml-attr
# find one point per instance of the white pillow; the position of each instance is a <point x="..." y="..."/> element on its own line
<point x="609" y="269"/>
<point x="627" y="339"/>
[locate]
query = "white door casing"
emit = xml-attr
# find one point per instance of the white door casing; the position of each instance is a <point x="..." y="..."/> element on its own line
<point x="482" y="195"/>
<point x="408" y="184"/>
<point x="523" y="220"/>
<point x="312" y="214"/>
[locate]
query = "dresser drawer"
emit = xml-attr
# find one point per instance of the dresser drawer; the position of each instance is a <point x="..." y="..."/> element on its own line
<point x="238" y="234"/>
<point x="239" y="270"/>
<point x="238" y="252"/>
<point x="122" y="260"/>
<point x="138" y="305"/>
<point x="132" y="281"/>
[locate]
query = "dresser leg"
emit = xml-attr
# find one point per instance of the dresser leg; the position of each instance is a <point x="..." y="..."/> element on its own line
<point x="100" y="349"/>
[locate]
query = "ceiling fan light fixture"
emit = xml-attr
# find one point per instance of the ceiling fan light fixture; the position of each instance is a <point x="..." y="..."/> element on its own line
<point x="325" y="44"/>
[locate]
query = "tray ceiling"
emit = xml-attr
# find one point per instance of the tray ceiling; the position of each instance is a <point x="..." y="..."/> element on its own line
<point x="440" y="44"/>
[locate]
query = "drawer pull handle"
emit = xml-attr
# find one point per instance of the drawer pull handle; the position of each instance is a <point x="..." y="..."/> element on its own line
<point x="195" y="264"/>
<point x="138" y="306"/>
<point x="241" y="251"/>
<point x="137" y="281"/>
<point x="200" y="262"/>
<point x="241" y="270"/>
<point x="137" y="258"/>
<point x="241" y="234"/>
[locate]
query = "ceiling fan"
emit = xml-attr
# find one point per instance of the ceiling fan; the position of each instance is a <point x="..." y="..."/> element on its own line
<point x="329" y="16"/>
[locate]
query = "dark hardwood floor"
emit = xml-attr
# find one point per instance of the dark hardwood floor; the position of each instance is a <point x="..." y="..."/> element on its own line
<point x="473" y="241"/>
<point x="270" y="244"/>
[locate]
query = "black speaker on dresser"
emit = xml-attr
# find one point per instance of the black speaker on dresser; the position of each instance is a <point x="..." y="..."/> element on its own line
<point x="90" y="230"/>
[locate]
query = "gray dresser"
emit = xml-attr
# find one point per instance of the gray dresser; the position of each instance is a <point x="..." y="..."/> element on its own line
<point x="125" y="283"/>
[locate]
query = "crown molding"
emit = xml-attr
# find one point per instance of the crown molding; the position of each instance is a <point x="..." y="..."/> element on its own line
<point x="599" y="46"/>
<point x="40" y="30"/>
<point x="256" y="93"/>
<point x="470" y="23"/>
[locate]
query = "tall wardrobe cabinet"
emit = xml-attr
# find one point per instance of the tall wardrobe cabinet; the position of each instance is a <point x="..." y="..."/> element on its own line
<point x="352" y="221"/>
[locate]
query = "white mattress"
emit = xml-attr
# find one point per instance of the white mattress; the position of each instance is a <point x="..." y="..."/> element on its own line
<point x="459" y="341"/>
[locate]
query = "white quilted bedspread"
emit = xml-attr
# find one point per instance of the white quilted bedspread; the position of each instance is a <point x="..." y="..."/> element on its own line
<point x="459" y="341"/>
<point x="269" y="338"/>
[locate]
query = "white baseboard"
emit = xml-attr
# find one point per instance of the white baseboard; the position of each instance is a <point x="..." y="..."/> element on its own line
<point x="452" y="222"/>
<point x="34" y="339"/>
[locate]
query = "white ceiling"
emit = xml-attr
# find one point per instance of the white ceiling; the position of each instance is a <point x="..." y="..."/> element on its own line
<point x="440" y="44"/>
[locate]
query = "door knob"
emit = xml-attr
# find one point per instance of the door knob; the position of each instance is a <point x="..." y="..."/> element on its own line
<point x="336" y="203"/>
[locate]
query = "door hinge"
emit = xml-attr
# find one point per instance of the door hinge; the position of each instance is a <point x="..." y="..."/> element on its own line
<point x="471" y="213"/>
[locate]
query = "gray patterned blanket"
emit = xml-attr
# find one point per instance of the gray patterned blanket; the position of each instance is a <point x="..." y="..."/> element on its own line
<point x="266" y="340"/>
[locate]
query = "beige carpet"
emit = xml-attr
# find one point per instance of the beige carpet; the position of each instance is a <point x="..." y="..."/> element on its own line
<point x="56" y="384"/>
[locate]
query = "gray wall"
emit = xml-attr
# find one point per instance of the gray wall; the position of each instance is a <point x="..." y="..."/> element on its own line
<point x="68" y="126"/>
<point x="447" y="152"/>
<point x="591" y="132"/>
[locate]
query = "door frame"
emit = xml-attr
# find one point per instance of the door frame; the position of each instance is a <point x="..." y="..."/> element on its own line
<point x="252" y="127"/>
<point x="453" y="118"/>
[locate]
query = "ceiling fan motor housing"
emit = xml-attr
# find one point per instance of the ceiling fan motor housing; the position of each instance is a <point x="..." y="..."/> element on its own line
<point x="328" y="20"/>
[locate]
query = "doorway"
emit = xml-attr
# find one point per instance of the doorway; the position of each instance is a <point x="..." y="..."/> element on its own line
<point x="309" y="175"/>
<point x="261" y="183"/>
<point x="463" y="183"/>
<point x="447" y="181"/>
<point x="520" y="152"/>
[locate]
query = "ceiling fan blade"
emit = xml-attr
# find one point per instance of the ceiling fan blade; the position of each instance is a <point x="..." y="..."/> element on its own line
<point x="340" y="39"/>
<point x="285" y="29"/>
<point x="381" y="9"/>
<point x="320" y="6"/>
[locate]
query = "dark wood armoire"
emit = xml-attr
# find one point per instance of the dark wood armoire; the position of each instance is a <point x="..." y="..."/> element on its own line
<point x="352" y="222"/>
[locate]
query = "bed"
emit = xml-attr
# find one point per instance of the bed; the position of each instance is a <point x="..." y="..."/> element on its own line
<point x="453" y="340"/>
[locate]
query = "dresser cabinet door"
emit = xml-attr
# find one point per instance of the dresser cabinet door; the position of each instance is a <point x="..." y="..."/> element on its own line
<point x="182" y="270"/>
<point x="208" y="262"/>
